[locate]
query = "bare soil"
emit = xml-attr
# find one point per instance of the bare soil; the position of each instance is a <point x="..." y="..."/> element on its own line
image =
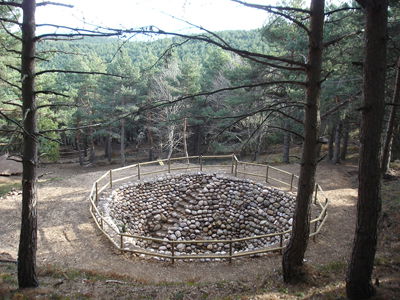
<point x="77" y="261"/>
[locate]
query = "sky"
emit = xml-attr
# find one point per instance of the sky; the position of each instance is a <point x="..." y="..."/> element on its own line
<point x="214" y="15"/>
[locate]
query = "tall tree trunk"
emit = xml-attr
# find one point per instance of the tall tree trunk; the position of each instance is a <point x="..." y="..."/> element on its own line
<point x="28" y="238"/>
<point x="171" y="134"/>
<point x="197" y="141"/>
<point x="345" y="143"/>
<point x="258" y="147"/>
<point x="292" y="261"/>
<point x="109" y="145"/>
<point x="122" y="137"/>
<point x="185" y="148"/>
<point x="85" y="145"/>
<point x="92" y="153"/>
<point x="122" y="143"/>
<point x="358" y="281"/>
<point x="338" y="142"/>
<point x="151" y="144"/>
<point x="387" y="148"/>
<point x="331" y="143"/>
<point x="286" y="144"/>
<point x="78" y="146"/>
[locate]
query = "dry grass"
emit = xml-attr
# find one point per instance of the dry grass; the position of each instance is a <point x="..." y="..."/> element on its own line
<point x="325" y="279"/>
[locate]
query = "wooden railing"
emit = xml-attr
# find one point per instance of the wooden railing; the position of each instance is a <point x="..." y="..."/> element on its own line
<point x="271" y="175"/>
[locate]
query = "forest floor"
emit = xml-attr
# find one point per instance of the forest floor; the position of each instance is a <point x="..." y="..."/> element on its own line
<point x="76" y="261"/>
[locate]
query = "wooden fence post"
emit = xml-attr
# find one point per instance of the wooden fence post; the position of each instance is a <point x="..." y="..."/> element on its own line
<point x="172" y="252"/>
<point x="291" y="182"/>
<point x="266" y="175"/>
<point x="138" y="170"/>
<point x="122" y="243"/>
<point x="111" y="179"/>
<point x="281" y="242"/>
<point x="233" y="163"/>
<point x="315" y="230"/>
<point x="201" y="162"/>
<point x="97" y="193"/>
<point x="316" y="193"/>
<point x="236" y="167"/>
<point x="230" y="251"/>
<point x="169" y="165"/>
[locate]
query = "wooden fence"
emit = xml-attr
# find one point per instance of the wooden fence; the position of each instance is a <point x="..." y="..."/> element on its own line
<point x="271" y="175"/>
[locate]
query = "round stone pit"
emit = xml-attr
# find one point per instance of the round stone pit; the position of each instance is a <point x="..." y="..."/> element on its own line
<point x="199" y="206"/>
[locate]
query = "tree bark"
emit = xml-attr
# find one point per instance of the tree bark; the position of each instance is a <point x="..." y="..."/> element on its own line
<point x="358" y="281"/>
<point x="338" y="142"/>
<point x="185" y="148"/>
<point x="122" y="138"/>
<point x="345" y="143"/>
<point x="109" y="145"/>
<point x="85" y="146"/>
<point x="387" y="148"/>
<point x="331" y="143"/>
<point x="28" y="238"/>
<point x="286" y="144"/>
<point x="292" y="261"/>
<point x="151" y="144"/>
<point x="197" y="140"/>
<point x="78" y="145"/>
<point x="92" y="154"/>
<point x="171" y="134"/>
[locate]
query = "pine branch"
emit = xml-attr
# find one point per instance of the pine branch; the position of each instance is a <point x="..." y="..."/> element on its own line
<point x="177" y="100"/>
<point x="10" y="33"/>
<point x="256" y="130"/>
<point x="338" y="39"/>
<point x="78" y="127"/>
<point x="12" y="103"/>
<point x="60" y="52"/>
<point x="13" y="68"/>
<point x="266" y="7"/>
<point x="277" y="10"/>
<point x="10" y="21"/>
<point x="57" y="105"/>
<point x="268" y="108"/>
<point x="49" y="138"/>
<point x="15" y="122"/>
<point x="203" y="29"/>
<point x="254" y="56"/>
<point x="14" y="4"/>
<point x="165" y="53"/>
<point x="335" y="109"/>
<point x="78" y="32"/>
<point x="341" y="9"/>
<point x="51" y="93"/>
<point x="54" y="3"/>
<point x="10" y="83"/>
<point x="14" y="130"/>
<point x="288" y="130"/>
<point x="11" y="50"/>
<point x="77" y="72"/>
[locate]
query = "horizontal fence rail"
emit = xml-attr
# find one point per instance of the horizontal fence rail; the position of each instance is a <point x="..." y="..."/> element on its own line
<point x="269" y="174"/>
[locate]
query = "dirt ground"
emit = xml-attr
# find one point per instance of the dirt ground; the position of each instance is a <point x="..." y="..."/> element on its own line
<point x="69" y="240"/>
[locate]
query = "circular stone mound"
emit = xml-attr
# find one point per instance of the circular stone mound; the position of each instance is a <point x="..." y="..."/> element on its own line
<point x="201" y="206"/>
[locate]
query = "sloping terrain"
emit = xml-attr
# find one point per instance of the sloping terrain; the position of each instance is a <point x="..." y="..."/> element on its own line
<point x="69" y="242"/>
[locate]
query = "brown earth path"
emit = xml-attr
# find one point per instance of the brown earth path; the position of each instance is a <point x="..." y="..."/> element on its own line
<point x="68" y="237"/>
